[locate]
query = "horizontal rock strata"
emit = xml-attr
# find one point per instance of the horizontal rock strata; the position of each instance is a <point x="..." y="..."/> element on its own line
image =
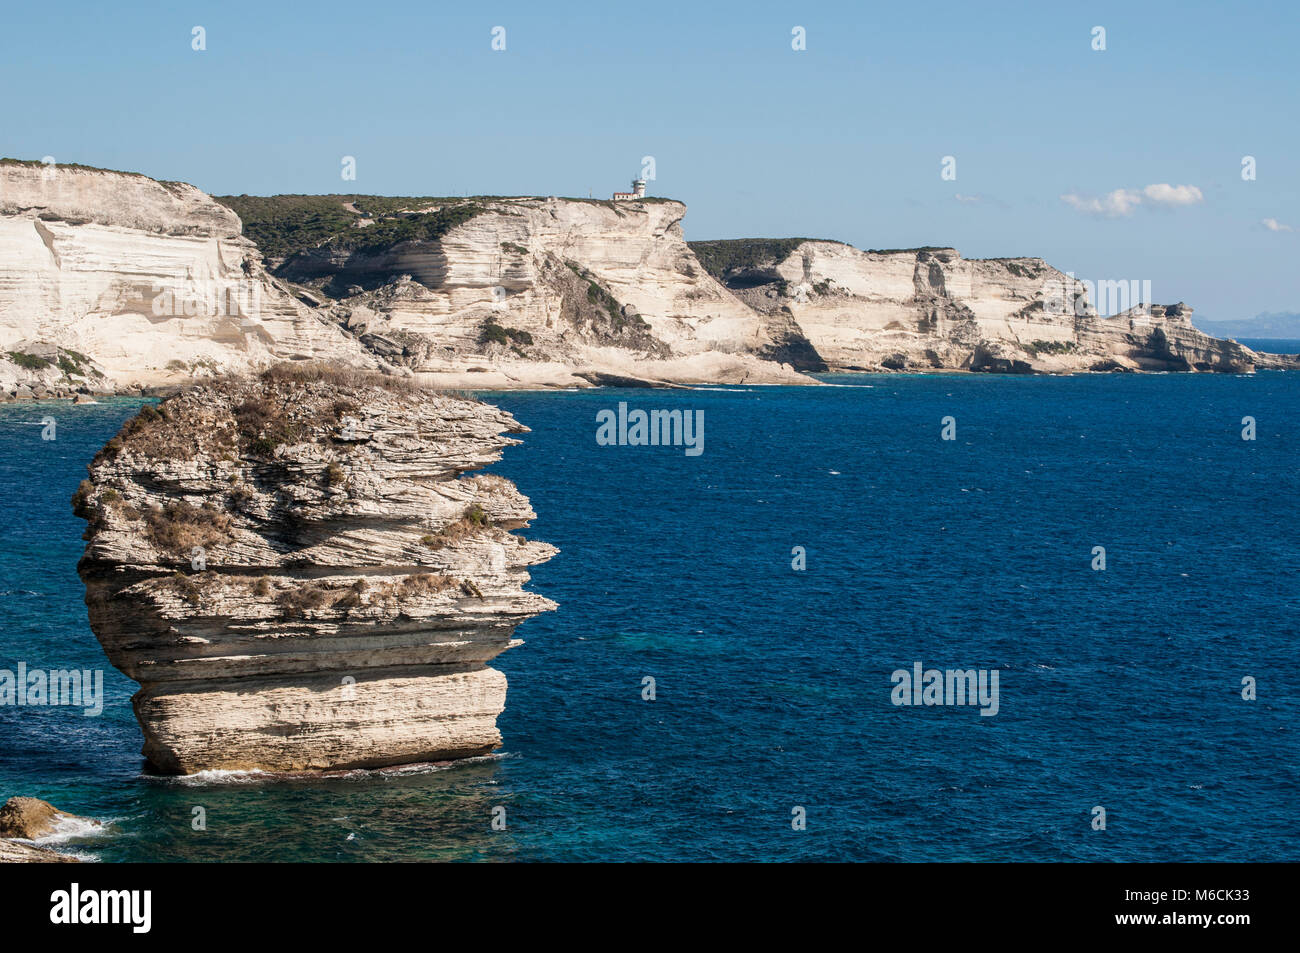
<point x="141" y="284"/>
<point x="930" y="308"/>
<point x="302" y="572"/>
<point x="591" y="286"/>
<point x="114" y="281"/>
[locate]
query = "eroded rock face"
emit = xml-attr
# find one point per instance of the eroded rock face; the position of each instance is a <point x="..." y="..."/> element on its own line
<point x="132" y="282"/>
<point x="930" y="308"/>
<point x="150" y="282"/>
<point x="29" y="819"/>
<point x="300" y="575"/>
<point x="14" y="852"/>
<point x="591" y="287"/>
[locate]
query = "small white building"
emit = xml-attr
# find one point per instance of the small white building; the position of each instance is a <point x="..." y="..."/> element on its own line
<point x="638" y="192"/>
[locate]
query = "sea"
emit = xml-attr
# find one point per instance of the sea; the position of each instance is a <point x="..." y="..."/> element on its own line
<point x="723" y="680"/>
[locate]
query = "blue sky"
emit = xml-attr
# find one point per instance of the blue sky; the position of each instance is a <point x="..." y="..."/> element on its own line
<point x="841" y="140"/>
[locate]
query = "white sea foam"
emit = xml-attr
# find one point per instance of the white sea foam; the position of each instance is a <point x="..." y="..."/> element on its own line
<point x="213" y="776"/>
<point x="68" y="828"/>
<point x="216" y="776"/>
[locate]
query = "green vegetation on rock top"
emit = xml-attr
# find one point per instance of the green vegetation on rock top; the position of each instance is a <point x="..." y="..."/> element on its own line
<point x="284" y="225"/>
<point x="38" y="164"/>
<point x="726" y="256"/>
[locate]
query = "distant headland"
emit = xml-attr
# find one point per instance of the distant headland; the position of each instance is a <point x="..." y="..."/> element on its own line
<point x="113" y="282"/>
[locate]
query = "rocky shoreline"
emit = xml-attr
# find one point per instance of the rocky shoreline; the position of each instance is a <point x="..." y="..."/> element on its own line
<point x="24" y="820"/>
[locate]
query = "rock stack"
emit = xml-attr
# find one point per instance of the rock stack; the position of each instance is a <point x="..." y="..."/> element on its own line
<point x="300" y="575"/>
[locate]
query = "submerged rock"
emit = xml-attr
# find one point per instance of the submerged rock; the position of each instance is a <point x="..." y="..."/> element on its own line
<point x="301" y="577"/>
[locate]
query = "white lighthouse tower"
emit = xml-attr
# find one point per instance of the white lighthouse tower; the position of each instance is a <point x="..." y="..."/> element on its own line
<point x="638" y="192"/>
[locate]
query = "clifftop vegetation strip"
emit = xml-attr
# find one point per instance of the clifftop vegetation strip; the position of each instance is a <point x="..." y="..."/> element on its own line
<point x="724" y="257"/>
<point x="285" y="225"/>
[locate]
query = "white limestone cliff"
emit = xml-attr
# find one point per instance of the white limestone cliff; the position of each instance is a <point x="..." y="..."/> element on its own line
<point x="151" y="281"/>
<point x="585" y="288"/>
<point x="113" y="281"/>
<point x="929" y="308"/>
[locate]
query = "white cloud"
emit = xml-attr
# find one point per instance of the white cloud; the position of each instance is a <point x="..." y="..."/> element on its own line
<point x="1273" y="225"/>
<point x="967" y="199"/>
<point x="1165" y="194"/>
<point x="1113" y="205"/>
<point x="1121" y="202"/>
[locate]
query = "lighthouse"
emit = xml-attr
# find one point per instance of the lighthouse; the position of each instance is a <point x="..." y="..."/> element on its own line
<point x="638" y="192"/>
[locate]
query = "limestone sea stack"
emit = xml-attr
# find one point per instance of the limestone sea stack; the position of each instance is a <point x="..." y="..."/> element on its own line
<point x="301" y="575"/>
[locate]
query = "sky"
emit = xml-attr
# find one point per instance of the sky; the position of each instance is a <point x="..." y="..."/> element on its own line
<point x="1122" y="163"/>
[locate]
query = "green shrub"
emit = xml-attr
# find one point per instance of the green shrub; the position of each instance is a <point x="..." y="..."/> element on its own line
<point x="494" y="333"/>
<point x="81" y="499"/>
<point x="287" y="225"/>
<point x="29" y="361"/>
<point x="470" y="522"/>
<point x="1050" y="347"/>
<point x="724" y="257"/>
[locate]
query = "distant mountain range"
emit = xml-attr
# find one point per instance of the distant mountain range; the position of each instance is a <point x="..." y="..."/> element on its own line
<point x="1279" y="324"/>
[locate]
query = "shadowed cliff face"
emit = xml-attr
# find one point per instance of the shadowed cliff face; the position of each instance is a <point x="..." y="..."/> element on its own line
<point x="300" y="574"/>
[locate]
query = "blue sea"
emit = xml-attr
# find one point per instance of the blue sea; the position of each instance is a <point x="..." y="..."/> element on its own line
<point x="1118" y="688"/>
<point x="1273" y="345"/>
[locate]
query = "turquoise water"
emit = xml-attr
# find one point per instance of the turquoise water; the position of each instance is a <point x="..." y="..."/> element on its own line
<point x="1118" y="688"/>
